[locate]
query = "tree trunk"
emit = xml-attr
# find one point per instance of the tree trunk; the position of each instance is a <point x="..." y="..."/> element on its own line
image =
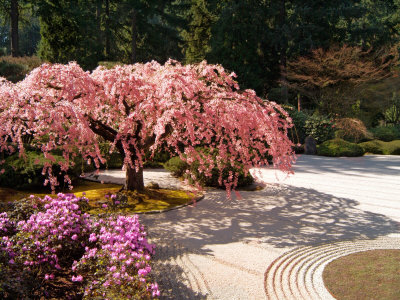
<point x="98" y="26"/>
<point x="107" y="31"/>
<point x="282" y="67"/>
<point x="14" y="15"/>
<point x="298" y="102"/>
<point x="134" y="179"/>
<point x="134" y="36"/>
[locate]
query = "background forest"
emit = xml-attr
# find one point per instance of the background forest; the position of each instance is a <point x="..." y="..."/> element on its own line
<point x="336" y="59"/>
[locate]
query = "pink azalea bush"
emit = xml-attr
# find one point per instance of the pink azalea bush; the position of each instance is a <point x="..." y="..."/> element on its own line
<point x="105" y="257"/>
<point x="144" y="108"/>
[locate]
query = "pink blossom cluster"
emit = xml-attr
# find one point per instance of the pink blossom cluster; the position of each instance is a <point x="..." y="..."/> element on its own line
<point x="102" y="253"/>
<point x="6" y="226"/>
<point x="144" y="107"/>
<point x="121" y="244"/>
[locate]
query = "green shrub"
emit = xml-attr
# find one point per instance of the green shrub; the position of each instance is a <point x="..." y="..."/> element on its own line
<point x="297" y="133"/>
<point x="20" y="173"/>
<point x="339" y="147"/>
<point x="351" y="130"/>
<point x="380" y="147"/>
<point x="157" y="161"/>
<point x="178" y="168"/>
<point x="385" y="133"/>
<point x="13" y="72"/>
<point x="320" y="128"/>
<point x="16" y="68"/>
<point x="374" y="147"/>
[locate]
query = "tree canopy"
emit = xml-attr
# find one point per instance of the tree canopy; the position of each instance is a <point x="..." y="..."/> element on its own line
<point x="144" y="107"/>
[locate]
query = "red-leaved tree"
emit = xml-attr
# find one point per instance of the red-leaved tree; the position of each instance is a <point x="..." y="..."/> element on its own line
<point x="143" y="108"/>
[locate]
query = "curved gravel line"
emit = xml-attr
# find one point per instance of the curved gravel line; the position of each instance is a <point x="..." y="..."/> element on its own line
<point x="298" y="273"/>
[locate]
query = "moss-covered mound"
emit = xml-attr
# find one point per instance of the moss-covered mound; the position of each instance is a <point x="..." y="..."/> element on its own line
<point x="381" y="147"/>
<point x="101" y="202"/>
<point x="339" y="147"/>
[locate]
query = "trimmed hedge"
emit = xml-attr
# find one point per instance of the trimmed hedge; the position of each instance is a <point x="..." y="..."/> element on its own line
<point x="339" y="147"/>
<point x="386" y="134"/>
<point x="381" y="147"/>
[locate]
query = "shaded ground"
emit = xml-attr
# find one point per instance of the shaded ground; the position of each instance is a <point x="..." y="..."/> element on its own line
<point x="220" y="249"/>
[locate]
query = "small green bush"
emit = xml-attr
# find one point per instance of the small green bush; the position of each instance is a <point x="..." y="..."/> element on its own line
<point x="13" y="72"/>
<point x="178" y="168"/>
<point x="385" y="133"/>
<point x="20" y="173"/>
<point x="320" y="128"/>
<point x="16" y="68"/>
<point x="380" y="147"/>
<point x="339" y="147"/>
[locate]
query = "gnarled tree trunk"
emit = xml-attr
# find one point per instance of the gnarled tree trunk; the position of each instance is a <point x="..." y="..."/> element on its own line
<point x="134" y="179"/>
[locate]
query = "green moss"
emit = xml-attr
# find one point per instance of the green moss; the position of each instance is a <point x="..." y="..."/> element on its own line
<point x="381" y="147"/>
<point x="339" y="147"/>
<point x="149" y="200"/>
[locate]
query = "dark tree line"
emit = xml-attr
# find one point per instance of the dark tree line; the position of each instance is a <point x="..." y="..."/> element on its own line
<point x="254" y="38"/>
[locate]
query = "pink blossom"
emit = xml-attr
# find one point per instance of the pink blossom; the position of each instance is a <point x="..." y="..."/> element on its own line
<point x="78" y="278"/>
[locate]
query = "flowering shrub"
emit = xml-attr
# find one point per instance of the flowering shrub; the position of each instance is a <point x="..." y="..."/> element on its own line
<point x="96" y="256"/>
<point x="116" y="261"/>
<point x="320" y="128"/>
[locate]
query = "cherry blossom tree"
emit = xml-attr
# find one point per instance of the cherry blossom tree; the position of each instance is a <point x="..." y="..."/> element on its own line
<point x="143" y="108"/>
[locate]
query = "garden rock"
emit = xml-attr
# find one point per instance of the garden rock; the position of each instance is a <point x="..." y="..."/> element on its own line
<point x="310" y="146"/>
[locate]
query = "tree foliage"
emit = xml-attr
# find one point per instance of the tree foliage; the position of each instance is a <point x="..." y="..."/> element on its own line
<point x="328" y="76"/>
<point x="140" y="108"/>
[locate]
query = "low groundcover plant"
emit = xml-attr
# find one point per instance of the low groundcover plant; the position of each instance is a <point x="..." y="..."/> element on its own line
<point x="97" y="257"/>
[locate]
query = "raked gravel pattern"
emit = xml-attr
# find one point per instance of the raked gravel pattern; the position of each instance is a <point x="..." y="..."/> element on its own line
<point x="274" y="243"/>
<point x="298" y="273"/>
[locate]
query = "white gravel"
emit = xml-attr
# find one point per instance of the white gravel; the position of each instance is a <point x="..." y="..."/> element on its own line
<point x="221" y="249"/>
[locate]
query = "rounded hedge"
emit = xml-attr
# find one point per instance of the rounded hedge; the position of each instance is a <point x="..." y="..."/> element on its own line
<point x="380" y="147"/>
<point x="339" y="147"/>
<point x="386" y="134"/>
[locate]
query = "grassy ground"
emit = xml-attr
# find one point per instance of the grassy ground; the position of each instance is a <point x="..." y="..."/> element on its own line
<point x="371" y="274"/>
<point x="149" y="200"/>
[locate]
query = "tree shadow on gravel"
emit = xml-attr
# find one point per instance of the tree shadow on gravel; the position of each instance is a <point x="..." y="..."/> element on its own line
<point x="278" y="215"/>
<point x="167" y="272"/>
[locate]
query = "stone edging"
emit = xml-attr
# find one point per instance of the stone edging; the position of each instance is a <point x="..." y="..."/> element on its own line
<point x="297" y="274"/>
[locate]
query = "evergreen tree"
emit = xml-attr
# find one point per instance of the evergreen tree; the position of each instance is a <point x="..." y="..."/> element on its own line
<point x="69" y="32"/>
<point x="198" y="33"/>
